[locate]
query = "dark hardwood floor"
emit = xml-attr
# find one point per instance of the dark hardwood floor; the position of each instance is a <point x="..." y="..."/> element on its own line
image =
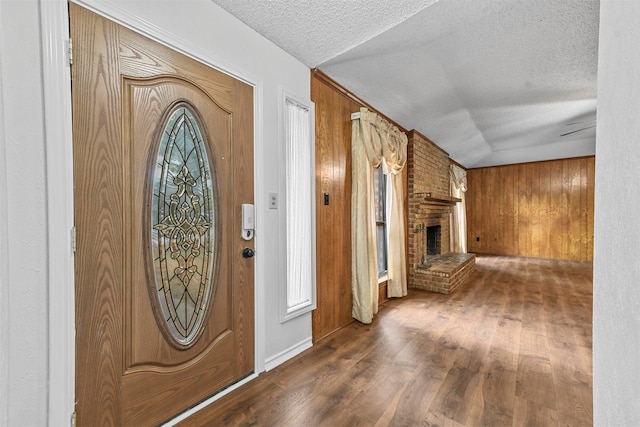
<point x="511" y="347"/>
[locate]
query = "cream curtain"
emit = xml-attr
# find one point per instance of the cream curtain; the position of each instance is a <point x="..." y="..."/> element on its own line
<point x="459" y="223"/>
<point x="396" y="255"/>
<point x="375" y="142"/>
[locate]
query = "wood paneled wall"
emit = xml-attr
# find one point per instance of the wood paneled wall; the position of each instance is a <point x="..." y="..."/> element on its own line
<point x="541" y="209"/>
<point x="333" y="105"/>
<point x="333" y="221"/>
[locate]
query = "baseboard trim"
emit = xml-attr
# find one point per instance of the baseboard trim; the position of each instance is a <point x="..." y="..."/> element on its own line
<point x="287" y="354"/>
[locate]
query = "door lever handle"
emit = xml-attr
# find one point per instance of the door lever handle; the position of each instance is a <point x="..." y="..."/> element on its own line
<point x="248" y="253"/>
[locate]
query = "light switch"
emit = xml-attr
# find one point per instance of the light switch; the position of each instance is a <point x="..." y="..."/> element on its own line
<point x="273" y="200"/>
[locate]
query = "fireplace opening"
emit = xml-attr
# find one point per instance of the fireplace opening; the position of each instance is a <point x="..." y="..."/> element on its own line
<point x="434" y="240"/>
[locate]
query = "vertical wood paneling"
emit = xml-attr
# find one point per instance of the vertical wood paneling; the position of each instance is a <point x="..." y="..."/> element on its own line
<point x="516" y="216"/>
<point x="500" y="210"/>
<point x="479" y="220"/>
<point x="323" y="182"/>
<point x="485" y="203"/>
<point x="573" y="206"/>
<point x="545" y="209"/>
<point x="557" y="231"/>
<point x="333" y="221"/>
<point x="541" y="209"/>
<point x="335" y="210"/>
<point x="333" y="106"/>
<point x="470" y="197"/>
<point x="583" y="209"/>
<point x="524" y="218"/>
<point x="492" y="237"/>
<point x="508" y="185"/>
<point x="342" y="187"/>
<point x="534" y="208"/>
<point x="591" y="174"/>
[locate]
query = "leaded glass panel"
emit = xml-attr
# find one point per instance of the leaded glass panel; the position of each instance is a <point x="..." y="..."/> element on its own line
<point x="183" y="225"/>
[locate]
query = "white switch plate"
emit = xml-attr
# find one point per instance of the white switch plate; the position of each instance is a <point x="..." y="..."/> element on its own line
<point x="273" y="200"/>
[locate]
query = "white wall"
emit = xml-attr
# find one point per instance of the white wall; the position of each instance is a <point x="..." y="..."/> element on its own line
<point x="207" y="32"/>
<point x="24" y="295"/>
<point x="616" y="276"/>
<point x="4" y="264"/>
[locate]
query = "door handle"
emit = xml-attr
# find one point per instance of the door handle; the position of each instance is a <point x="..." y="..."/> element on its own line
<point x="248" y="253"/>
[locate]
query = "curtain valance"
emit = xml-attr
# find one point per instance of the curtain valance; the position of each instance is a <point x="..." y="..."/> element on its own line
<point x="383" y="141"/>
<point x="458" y="177"/>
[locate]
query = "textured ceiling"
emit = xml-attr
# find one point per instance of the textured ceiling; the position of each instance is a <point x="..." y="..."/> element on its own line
<point x="491" y="82"/>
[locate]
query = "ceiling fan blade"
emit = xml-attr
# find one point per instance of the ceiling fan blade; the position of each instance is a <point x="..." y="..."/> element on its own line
<point x="569" y="133"/>
<point x="580" y="122"/>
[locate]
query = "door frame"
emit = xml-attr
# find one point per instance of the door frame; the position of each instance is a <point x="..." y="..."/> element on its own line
<point x="54" y="26"/>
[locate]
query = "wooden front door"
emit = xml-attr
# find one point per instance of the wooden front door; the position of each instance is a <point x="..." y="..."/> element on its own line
<point x="163" y="160"/>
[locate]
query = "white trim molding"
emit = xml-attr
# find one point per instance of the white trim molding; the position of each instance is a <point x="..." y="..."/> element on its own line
<point x="4" y="267"/>
<point x="287" y="354"/>
<point x="296" y="119"/>
<point x="260" y="243"/>
<point x="56" y="76"/>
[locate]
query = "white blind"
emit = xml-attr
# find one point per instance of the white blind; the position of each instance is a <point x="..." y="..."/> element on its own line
<point x="299" y="185"/>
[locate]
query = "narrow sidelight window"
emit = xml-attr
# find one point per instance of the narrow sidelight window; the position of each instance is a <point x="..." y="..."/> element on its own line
<point x="299" y="208"/>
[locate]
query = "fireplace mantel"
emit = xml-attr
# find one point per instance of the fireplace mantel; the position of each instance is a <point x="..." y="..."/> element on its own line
<point x="436" y="199"/>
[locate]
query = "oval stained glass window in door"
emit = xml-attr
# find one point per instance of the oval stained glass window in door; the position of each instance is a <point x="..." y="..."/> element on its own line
<point x="183" y="225"/>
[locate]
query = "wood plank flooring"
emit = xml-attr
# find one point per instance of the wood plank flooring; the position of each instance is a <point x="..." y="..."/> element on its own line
<point x="511" y="347"/>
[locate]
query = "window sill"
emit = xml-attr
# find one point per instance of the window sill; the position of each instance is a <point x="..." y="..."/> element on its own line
<point x="383" y="278"/>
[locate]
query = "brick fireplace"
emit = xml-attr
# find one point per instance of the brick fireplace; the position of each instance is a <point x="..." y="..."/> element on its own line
<point x="428" y="173"/>
<point x="429" y="217"/>
<point x="429" y="235"/>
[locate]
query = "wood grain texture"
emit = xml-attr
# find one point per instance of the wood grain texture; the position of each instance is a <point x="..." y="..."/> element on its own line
<point x="98" y="219"/>
<point x="540" y="209"/>
<point x="333" y="106"/>
<point x="243" y="269"/>
<point x="510" y="348"/>
<point x="333" y="221"/>
<point x="129" y="371"/>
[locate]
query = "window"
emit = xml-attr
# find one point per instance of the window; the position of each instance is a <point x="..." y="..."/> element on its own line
<point x="298" y="294"/>
<point x="380" y="199"/>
